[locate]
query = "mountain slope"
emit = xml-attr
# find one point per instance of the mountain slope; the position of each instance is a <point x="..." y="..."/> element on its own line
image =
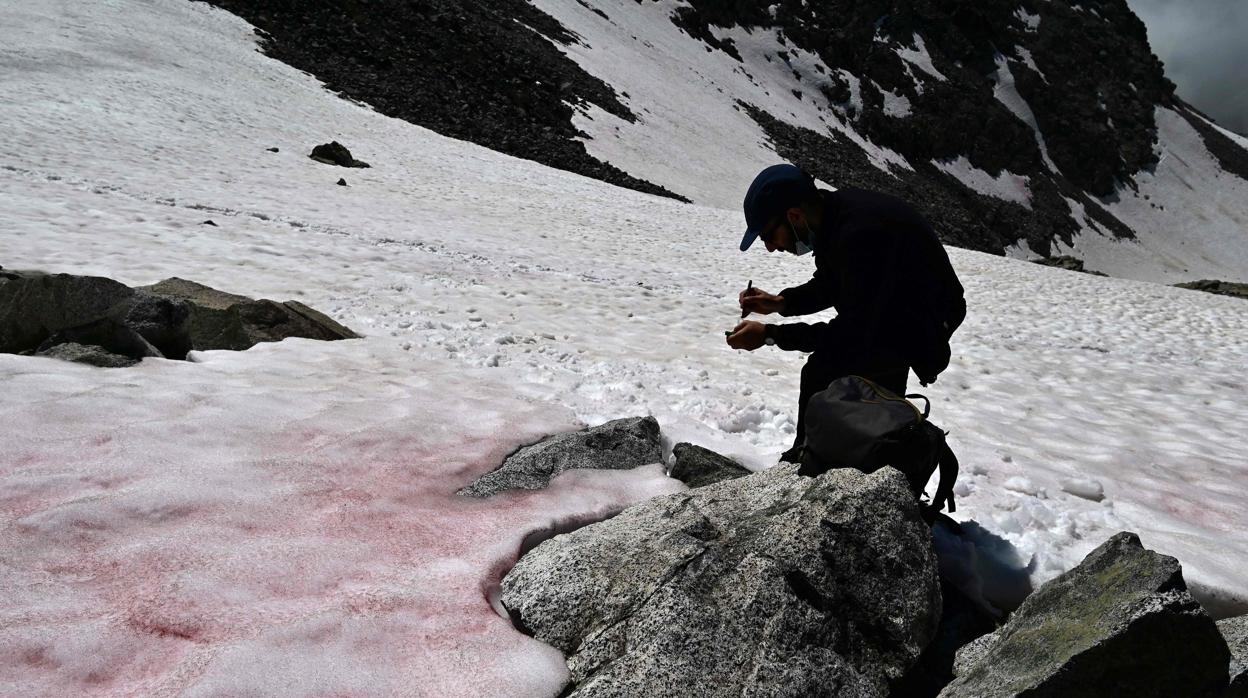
<point x="1033" y="128"/>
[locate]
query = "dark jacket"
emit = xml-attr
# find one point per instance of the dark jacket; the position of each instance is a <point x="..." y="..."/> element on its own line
<point x="880" y="264"/>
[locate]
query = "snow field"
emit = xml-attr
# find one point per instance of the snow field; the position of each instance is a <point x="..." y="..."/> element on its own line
<point x="283" y="516"/>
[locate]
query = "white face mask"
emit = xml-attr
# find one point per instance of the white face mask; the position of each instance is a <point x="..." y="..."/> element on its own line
<point x="802" y="247"/>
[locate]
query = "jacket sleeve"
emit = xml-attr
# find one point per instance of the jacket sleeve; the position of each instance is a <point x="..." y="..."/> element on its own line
<point x="811" y="297"/>
<point x="872" y="266"/>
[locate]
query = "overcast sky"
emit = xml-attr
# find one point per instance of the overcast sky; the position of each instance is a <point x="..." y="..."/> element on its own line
<point x="1204" y="44"/>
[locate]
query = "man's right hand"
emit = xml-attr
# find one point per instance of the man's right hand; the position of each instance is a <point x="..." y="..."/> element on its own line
<point x="756" y="300"/>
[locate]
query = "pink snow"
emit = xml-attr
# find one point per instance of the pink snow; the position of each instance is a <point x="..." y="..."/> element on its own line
<point x="280" y="521"/>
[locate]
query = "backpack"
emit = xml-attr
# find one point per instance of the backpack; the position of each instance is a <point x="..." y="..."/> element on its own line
<point x="855" y="423"/>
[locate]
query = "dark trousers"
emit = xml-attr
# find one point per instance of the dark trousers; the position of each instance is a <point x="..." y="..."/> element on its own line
<point x="819" y="371"/>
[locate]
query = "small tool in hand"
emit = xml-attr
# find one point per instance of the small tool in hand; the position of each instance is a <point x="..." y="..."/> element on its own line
<point x="748" y="286"/>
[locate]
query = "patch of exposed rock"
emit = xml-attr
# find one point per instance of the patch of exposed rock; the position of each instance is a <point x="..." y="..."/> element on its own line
<point x="87" y="354"/>
<point x="771" y="584"/>
<point x="621" y="444"/>
<point x="1221" y="288"/>
<point x="220" y="320"/>
<point x="101" y="322"/>
<point x="1120" y="623"/>
<point x="1068" y="263"/>
<point x="335" y="153"/>
<point x="697" y="467"/>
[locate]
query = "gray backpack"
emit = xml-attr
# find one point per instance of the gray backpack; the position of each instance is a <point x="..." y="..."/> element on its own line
<point x="855" y="423"/>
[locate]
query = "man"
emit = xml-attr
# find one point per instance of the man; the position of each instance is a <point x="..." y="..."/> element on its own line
<point x="876" y="261"/>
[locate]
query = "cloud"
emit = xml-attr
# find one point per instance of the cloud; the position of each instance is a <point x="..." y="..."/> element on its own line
<point x="1202" y="44"/>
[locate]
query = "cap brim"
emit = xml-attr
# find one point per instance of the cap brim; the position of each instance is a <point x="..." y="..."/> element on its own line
<point x="750" y="237"/>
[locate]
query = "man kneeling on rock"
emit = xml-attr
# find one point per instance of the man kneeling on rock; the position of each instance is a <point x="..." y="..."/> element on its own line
<point x="877" y="261"/>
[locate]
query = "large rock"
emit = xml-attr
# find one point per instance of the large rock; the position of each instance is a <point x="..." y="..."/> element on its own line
<point x="773" y="584"/>
<point x="335" y="153"/>
<point x="1121" y="623"/>
<point x="220" y="320"/>
<point x="109" y="334"/>
<point x="1221" y="288"/>
<point x="35" y="306"/>
<point x="621" y="444"/>
<point x="697" y="467"/>
<point x="87" y="354"/>
<point x="1235" y="632"/>
<point x="164" y="322"/>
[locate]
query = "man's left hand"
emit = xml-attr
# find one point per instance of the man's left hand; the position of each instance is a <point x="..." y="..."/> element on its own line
<point x="748" y="335"/>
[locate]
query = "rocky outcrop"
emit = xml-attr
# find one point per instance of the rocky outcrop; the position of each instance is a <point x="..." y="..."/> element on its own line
<point x="87" y="354"/>
<point x="772" y="584"/>
<point x="335" y="153"/>
<point x="1120" y="623"/>
<point x="1235" y="632"/>
<point x="35" y="306"/>
<point x="1221" y="288"/>
<point x="101" y="322"/>
<point x="697" y="467"/>
<point x="621" y="444"/>
<point x="220" y="320"/>
<point x="1066" y="262"/>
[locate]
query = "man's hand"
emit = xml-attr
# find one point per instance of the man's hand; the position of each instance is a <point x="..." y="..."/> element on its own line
<point x="748" y="335"/>
<point x="756" y="300"/>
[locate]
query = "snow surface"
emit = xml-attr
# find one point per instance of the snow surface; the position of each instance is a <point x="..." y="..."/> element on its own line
<point x="279" y="521"/>
<point x="1185" y="210"/>
<point x="1006" y="185"/>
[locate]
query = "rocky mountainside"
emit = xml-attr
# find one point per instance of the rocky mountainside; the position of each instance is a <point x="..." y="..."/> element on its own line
<point x="1032" y="128"/>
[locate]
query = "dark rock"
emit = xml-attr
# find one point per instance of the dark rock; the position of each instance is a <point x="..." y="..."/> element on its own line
<point x="163" y="322"/>
<point x="1221" y="288"/>
<point x="111" y="335"/>
<point x="35" y="306"/>
<point x="220" y="320"/>
<point x="274" y="150"/>
<point x="210" y="222"/>
<point x="87" y="354"/>
<point x="342" y="182"/>
<point x="1120" y="623"/>
<point x="621" y="444"/>
<point x="335" y="153"/>
<point x="1235" y="632"/>
<point x="772" y="584"/>
<point x="696" y="466"/>
<point x="1066" y="262"/>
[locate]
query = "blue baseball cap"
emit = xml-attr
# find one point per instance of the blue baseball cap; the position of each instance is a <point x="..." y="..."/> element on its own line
<point x="775" y="190"/>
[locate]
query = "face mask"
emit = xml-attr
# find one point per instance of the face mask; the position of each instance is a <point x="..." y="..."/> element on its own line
<point x="802" y="247"/>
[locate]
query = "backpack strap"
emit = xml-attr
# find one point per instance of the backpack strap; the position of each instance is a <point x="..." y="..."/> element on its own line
<point x="948" y="474"/>
<point x="927" y="404"/>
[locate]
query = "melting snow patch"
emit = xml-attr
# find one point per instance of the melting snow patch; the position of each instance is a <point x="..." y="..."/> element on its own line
<point x="895" y="105"/>
<point x="1006" y="93"/>
<point x="1031" y="21"/>
<point x="1007" y="185"/>
<point x="919" y="58"/>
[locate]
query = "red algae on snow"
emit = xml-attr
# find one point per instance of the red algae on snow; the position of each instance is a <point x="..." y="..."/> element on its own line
<point x="296" y="534"/>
